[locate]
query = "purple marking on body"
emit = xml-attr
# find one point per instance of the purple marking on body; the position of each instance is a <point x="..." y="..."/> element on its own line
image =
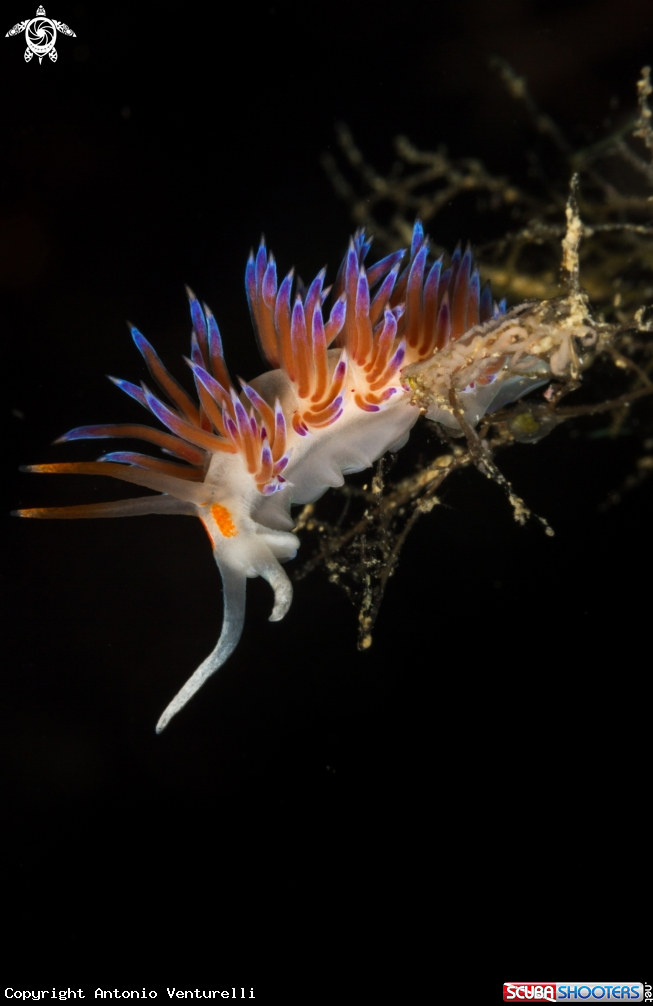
<point x="386" y="265"/>
<point x="269" y="288"/>
<point x="130" y="389"/>
<point x="418" y="238"/>
<point x="485" y="306"/>
<point x="199" y="321"/>
<point x="213" y="387"/>
<point x="313" y="296"/>
<point x="298" y="322"/>
<point x="362" y="294"/>
<point x="215" y="339"/>
<point x="397" y="359"/>
<point x="261" y="263"/>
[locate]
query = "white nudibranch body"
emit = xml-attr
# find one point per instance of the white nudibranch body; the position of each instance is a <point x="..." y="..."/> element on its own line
<point x="343" y="389"/>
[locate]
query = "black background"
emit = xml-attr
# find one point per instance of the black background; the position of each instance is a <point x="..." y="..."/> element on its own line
<point x="507" y="670"/>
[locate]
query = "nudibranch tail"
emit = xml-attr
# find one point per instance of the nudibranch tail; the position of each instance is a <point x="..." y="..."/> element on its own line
<point x="238" y="555"/>
<point x="233" y="581"/>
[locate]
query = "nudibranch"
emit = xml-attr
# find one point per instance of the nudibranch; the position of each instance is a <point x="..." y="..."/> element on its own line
<point x="351" y="368"/>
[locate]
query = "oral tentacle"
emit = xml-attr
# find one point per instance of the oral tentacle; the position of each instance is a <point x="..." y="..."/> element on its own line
<point x="180" y="488"/>
<point x="271" y="570"/>
<point x="139" y="507"/>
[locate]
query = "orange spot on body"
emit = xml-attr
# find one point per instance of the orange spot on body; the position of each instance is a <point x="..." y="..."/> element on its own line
<point x="222" y="517"/>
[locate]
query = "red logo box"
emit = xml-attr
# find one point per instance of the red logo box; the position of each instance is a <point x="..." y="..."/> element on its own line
<point x="529" y="992"/>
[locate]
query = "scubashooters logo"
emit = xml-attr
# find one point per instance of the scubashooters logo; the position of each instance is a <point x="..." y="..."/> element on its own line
<point x="40" y="35"/>
<point x="573" y="992"/>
